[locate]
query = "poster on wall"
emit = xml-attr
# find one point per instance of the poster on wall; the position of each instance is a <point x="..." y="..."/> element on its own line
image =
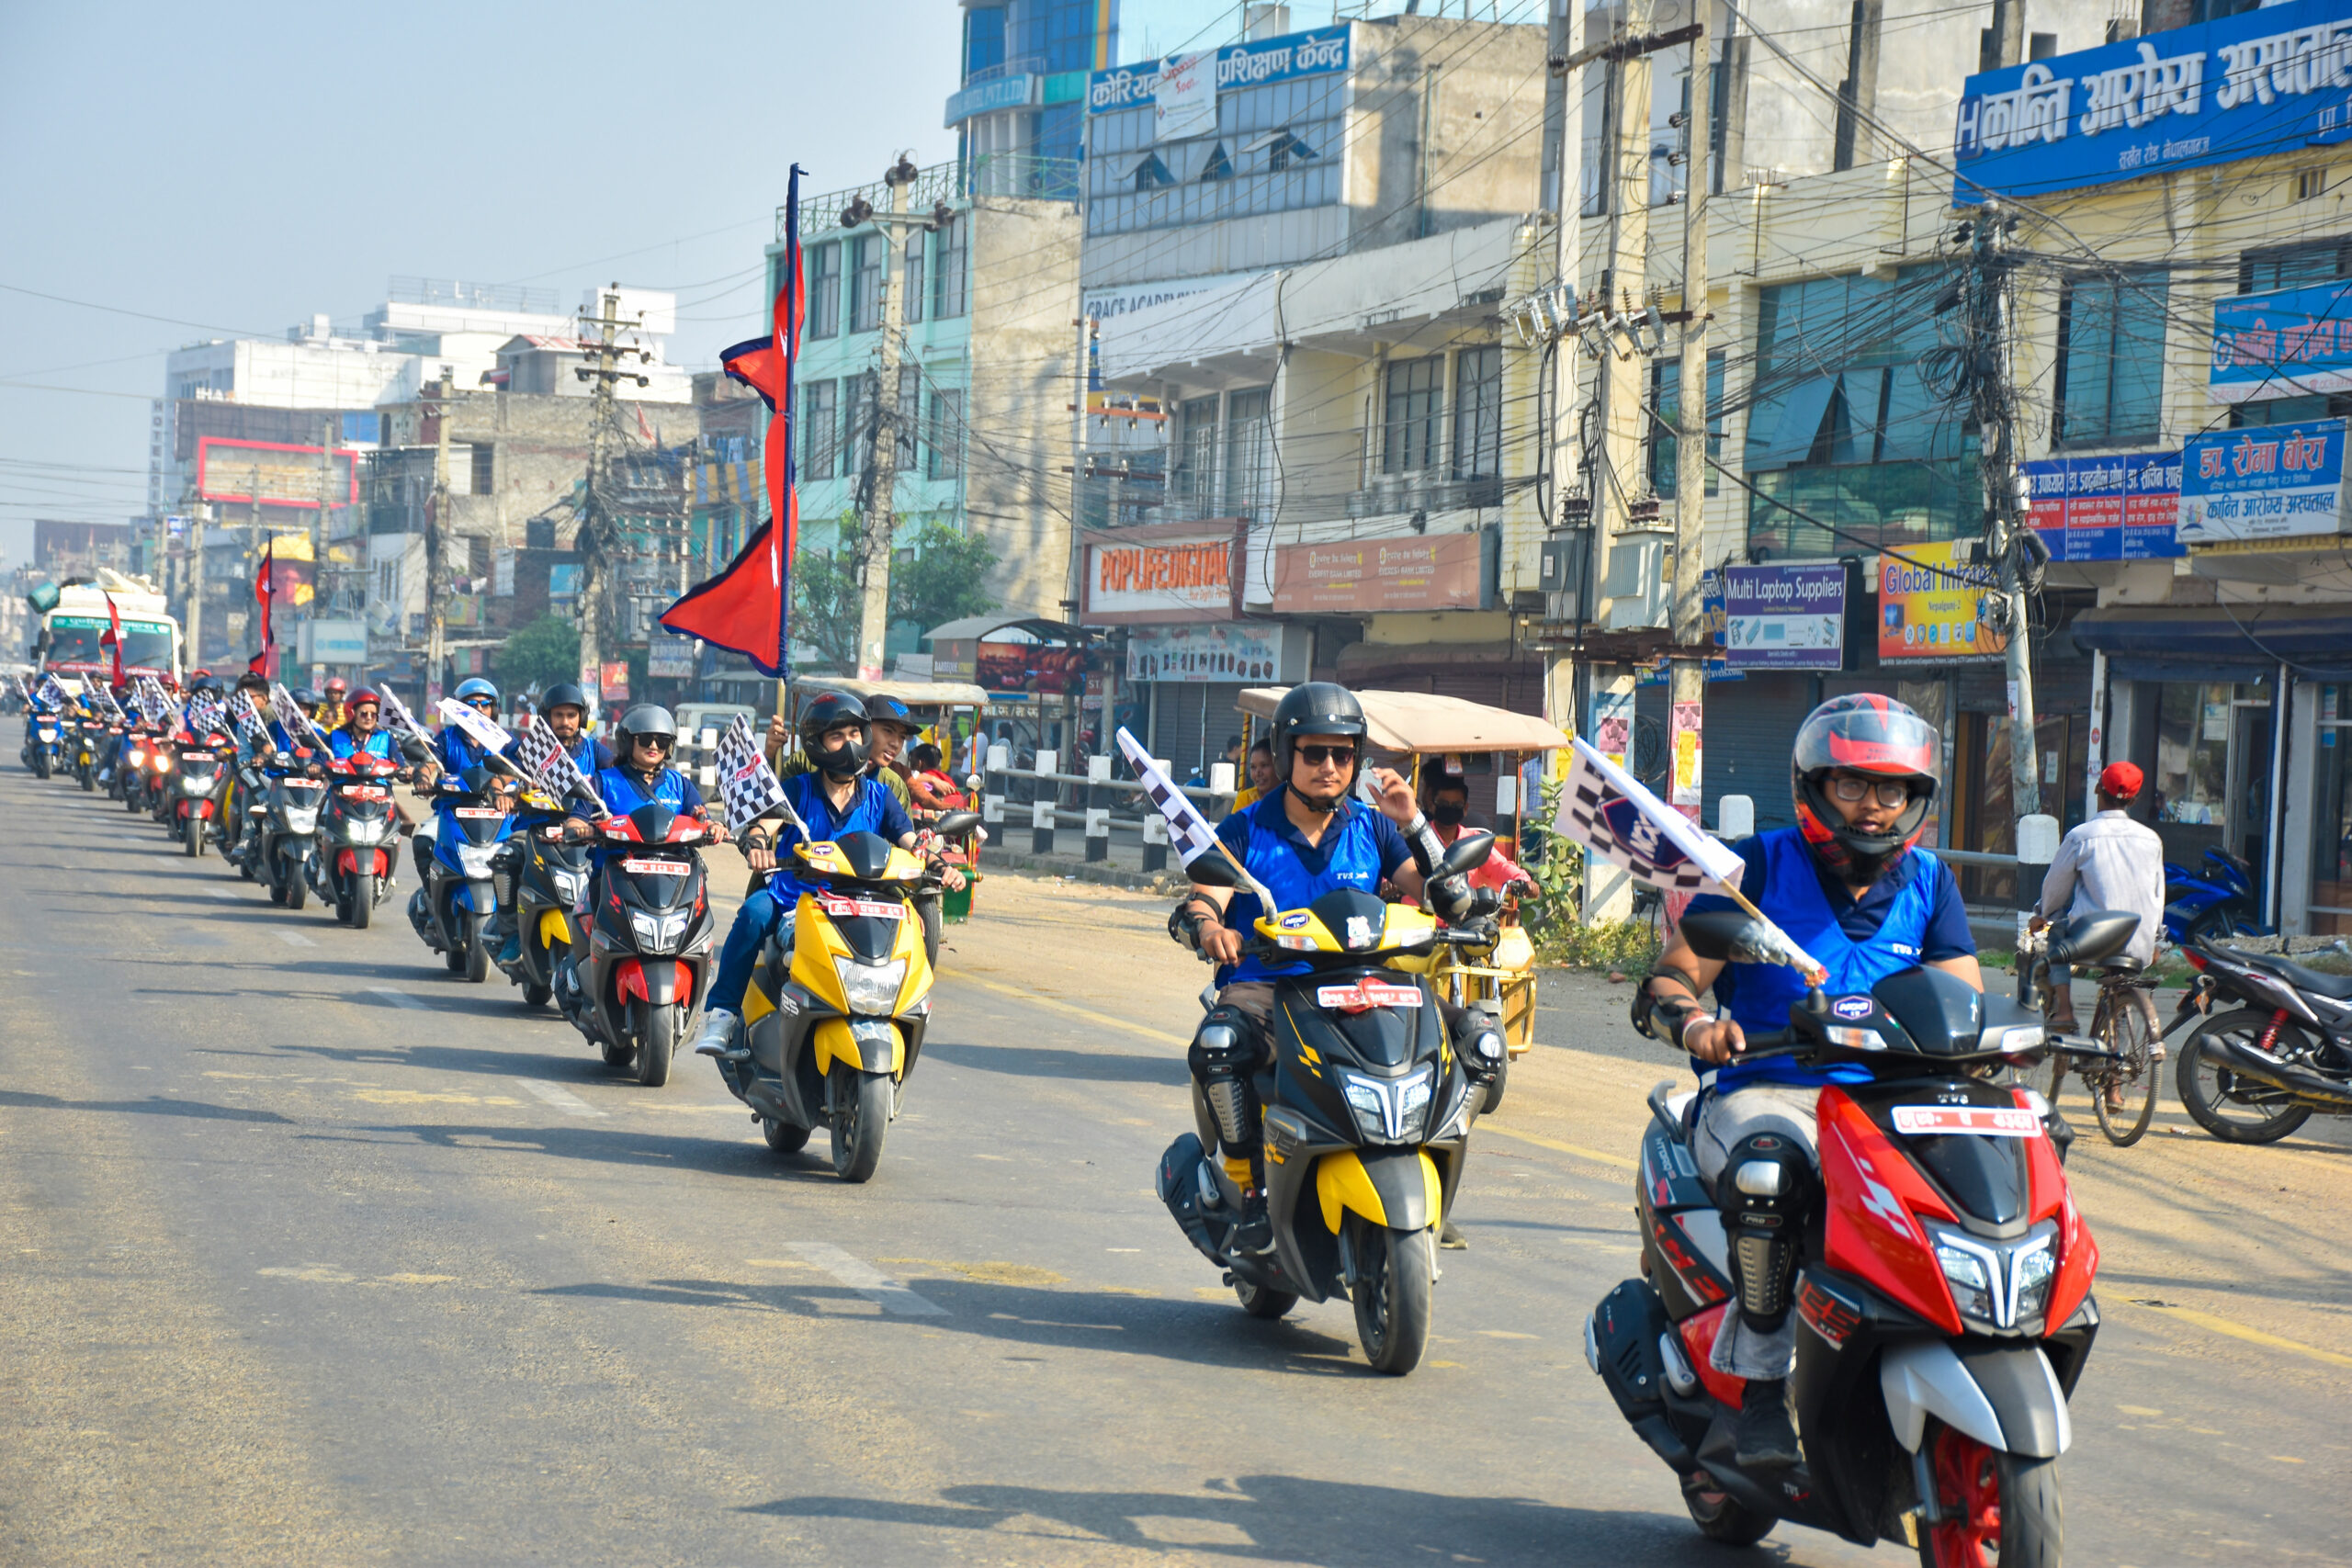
<point x="1229" y="651"/>
<point x="1785" y="618"/>
<point x="1031" y="668"/>
<point x="2269" y="482"/>
<point x="1930" y="606"/>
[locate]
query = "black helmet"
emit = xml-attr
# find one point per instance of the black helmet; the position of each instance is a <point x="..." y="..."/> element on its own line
<point x="204" y="684"/>
<point x="830" y="710"/>
<point x="1316" y="707"/>
<point x="1873" y="735"/>
<point x="564" y="695"/>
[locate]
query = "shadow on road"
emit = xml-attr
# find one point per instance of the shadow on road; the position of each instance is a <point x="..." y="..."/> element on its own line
<point x="18" y="1100"/>
<point x="1045" y="1061"/>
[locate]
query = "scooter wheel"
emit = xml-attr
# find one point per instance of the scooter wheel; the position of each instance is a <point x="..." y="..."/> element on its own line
<point x="783" y="1137"/>
<point x="1260" y="1301"/>
<point x="618" y="1055"/>
<point x="1395" y="1269"/>
<point x="1722" y="1518"/>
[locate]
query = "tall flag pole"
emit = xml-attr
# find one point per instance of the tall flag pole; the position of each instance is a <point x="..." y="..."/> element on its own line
<point x="265" y="589"/>
<point x="113" y="640"/>
<point x="747" y="608"/>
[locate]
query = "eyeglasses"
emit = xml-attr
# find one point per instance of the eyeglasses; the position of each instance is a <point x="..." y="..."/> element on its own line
<point x="1320" y="756"/>
<point x="1853" y="787"/>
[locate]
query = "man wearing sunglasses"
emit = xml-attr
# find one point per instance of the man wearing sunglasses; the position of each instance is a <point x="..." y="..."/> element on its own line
<point x="1850" y="886"/>
<point x="1306" y="838"/>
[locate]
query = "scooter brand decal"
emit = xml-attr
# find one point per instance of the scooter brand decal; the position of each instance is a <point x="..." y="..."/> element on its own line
<point x="655" y="867"/>
<point x="1368" y="994"/>
<point x="1983" y="1121"/>
<point x="872" y="909"/>
<point x="1851" y="1006"/>
<point x="1359" y="931"/>
<point x="1827" y="1314"/>
<point x="1296" y="921"/>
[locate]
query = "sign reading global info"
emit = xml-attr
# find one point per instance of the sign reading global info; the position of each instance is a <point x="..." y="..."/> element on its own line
<point x="2269" y="482"/>
<point x="2272" y="80"/>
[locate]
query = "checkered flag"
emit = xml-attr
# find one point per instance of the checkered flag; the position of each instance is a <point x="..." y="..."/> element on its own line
<point x="484" y="734"/>
<point x="291" y="718"/>
<point x="1189" y="833"/>
<point x="250" y="728"/>
<point x="543" y="756"/>
<point x="52" y="693"/>
<point x="748" y="787"/>
<point x="401" y="722"/>
<point x="105" y="700"/>
<point x="147" y="693"/>
<point x="1607" y="810"/>
<point x="206" y="714"/>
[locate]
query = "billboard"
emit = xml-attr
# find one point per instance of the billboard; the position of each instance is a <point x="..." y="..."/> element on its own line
<point x="2272" y="80"/>
<point x="1440" y="571"/>
<point x="1930" y="606"/>
<point x="1247" y="65"/>
<point x="2289" y="343"/>
<point x="1785" y="618"/>
<point x="2270" y="482"/>
<point x="286" y="476"/>
<point x="1227" y="651"/>
<point x="2120" y="508"/>
<point x="1176" y="572"/>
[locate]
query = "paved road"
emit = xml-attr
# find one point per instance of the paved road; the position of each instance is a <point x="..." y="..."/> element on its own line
<point x="312" y="1253"/>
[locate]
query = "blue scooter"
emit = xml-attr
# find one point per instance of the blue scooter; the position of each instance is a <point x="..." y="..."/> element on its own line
<point x="451" y="910"/>
<point x="2215" y="905"/>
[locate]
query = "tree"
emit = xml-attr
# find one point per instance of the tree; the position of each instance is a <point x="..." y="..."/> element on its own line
<point x="825" y="604"/>
<point x="943" y="582"/>
<point x="546" y="651"/>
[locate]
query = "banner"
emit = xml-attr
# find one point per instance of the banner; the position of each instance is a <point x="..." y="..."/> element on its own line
<point x="1183" y="100"/>
<point x="2123" y="508"/>
<point x="1930" y="606"/>
<point x="2287" y="343"/>
<point x="2268" y="482"/>
<point x="1785" y="618"/>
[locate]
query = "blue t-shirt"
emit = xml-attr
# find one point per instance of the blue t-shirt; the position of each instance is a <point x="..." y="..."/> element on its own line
<point x="1359" y="849"/>
<point x="345" y="745"/>
<point x="622" y="794"/>
<point x="456" y="751"/>
<point x="1911" y="915"/>
<point x="873" y="809"/>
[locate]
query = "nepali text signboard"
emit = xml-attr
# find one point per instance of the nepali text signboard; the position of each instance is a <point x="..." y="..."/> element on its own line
<point x="1437" y="571"/>
<point x="1785" y="618"/>
<point x="1163" y="573"/>
<point x="1930" y="606"/>
<point x="1283" y="59"/>
<point x="2289" y="343"/>
<point x="2270" y="482"/>
<point x="2272" y="80"/>
<point x="286" y="475"/>
<point x="2123" y="508"/>
<point x="1229" y="651"/>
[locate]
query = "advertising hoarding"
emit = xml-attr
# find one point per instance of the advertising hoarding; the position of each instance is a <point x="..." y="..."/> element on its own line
<point x="1176" y="572"/>
<point x="1437" y="571"/>
<point x="1785" y="618"/>
<point x="2268" y="482"/>
<point x="1930" y="606"/>
<point x="2120" y="508"/>
<point x="287" y="476"/>
<point x="1310" y="53"/>
<point x="2289" y="343"/>
<point x="1224" y="651"/>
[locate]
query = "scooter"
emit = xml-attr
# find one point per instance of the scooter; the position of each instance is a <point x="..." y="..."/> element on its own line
<point x="550" y="880"/>
<point x="635" y="981"/>
<point x="85" y="748"/>
<point x="1944" y="1304"/>
<point x="358" y="836"/>
<point x="288" y="836"/>
<point x="40" y="750"/>
<point x="458" y="896"/>
<point x="1368" y="1111"/>
<point x="834" y="1023"/>
<point x="195" y="792"/>
<point x="2212" y="906"/>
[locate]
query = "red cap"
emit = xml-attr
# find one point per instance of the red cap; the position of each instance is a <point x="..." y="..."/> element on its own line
<point x="2121" y="780"/>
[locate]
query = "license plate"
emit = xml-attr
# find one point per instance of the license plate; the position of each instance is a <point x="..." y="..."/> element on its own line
<point x="196" y="756"/>
<point x="1369" y="994"/>
<point x="369" y="792"/>
<point x="656" y="867"/>
<point x="478" y="813"/>
<point x="872" y="909"/>
<point x="1981" y="1121"/>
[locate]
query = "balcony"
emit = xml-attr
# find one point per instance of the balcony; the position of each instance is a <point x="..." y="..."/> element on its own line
<point x="991" y="174"/>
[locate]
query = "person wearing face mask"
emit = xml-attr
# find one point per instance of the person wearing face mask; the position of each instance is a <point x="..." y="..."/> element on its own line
<point x="1451" y="817"/>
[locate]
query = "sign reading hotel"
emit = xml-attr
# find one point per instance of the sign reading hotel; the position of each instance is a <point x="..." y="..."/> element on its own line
<point x="1184" y="572"/>
<point x="1439" y="572"/>
<point x="2273" y="481"/>
<point x="2273" y="80"/>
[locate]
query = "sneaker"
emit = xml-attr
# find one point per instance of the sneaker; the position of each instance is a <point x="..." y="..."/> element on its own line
<point x="1254" y="1237"/>
<point x="718" y="1036"/>
<point x="1763" y="1437"/>
<point x="512" y="953"/>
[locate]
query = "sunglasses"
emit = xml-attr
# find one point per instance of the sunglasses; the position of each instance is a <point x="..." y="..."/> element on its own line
<point x="1322" y="756"/>
<point x="658" y="742"/>
<point x="1849" y="788"/>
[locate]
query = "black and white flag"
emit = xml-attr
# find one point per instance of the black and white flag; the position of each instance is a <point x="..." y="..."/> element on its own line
<point x="154" y="705"/>
<point x="748" y="787"/>
<point x="292" y="719"/>
<point x="53" y="694"/>
<point x="489" y="737"/>
<point x="397" y="717"/>
<point x="1189" y="833"/>
<point x="206" y="714"/>
<point x="102" y="698"/>
<point x="543" y="756"/>
<point x="1606" y="808"/>
<point x="250" y="728"/>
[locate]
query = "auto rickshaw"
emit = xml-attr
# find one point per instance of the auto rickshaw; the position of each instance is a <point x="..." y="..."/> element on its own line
<point x="952" y="712"/>
<point x="1420" y="730"/>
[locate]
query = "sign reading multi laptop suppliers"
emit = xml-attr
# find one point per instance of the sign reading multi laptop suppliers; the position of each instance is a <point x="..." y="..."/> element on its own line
<point x="2108" y="508"/>
<point x="1785" y="618"/>
<point x="1930" y="606"/>
<point x="2271" y="80"/>
<point x="2285" y="344"/>
<point x="1241" y="66"/>
<point x="2274" y="481"/>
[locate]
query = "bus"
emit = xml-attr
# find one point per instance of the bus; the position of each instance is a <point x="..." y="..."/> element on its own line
<point x="71" y="629"/>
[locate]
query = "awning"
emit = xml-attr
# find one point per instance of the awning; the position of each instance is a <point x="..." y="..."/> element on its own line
<point x="2262" y="635"/>
<point x="1423" y="721"/>
<point x="976" y="629"/>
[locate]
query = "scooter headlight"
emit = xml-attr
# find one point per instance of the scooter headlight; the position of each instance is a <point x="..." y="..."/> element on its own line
<point x="1997" y="1282"/>
<point x="569" y="884"/>
<point x="474" y="858"/>
<point x="658" y="934"/>
<point x="1389" y="1110"/>
<point x="870" y="987"/>
<point x="363" y="829"/>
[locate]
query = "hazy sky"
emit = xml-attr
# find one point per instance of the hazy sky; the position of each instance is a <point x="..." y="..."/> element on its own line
<point x="236" y="167"/>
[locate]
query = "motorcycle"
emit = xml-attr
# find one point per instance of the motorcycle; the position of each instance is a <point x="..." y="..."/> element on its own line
<point x="631" y="986"/>
<point x="40" y="750"/>
<point x="1944" y="1304"/>
<point x="551" y="879"/>
<point x="834" y="1023"/>
<point x="84" y="750"/>
<point x="458" y="896"/>
<point x="2254" y="1072"/>
<point x="195" y="792"/>
<point x="289" y="833"/>
<point x="2213" y="906"/>
<point x="241" y="834"/>
<point x="358" y="835"/>
<point x="1368" y="1111"/>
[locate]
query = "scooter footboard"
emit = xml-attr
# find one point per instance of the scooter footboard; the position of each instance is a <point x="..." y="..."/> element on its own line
<point x="1399" y="1189"/>
<point x="2005" y="1396"/>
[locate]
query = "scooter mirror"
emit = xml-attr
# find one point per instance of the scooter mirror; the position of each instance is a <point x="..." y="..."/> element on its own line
<point x="955" y="823"/>
<point x="1212" y="870"/>
<point x="1726" y="936"/>
<point x="1466" y="853"/>
<point x="415" y="750"/>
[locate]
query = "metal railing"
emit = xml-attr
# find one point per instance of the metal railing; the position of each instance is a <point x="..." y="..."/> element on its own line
<point x="991" y="173"/>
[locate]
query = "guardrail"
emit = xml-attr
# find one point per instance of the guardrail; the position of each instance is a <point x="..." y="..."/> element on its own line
<point x="1094" y="791"/>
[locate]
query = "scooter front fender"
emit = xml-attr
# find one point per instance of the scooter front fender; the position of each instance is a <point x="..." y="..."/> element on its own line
<point x="871" y="1045"/>
<point x="474" y="898"/>
<point x="2005" y="1396"/>
<point x="1395" y="1188"/>
<point x="658" y="981"/>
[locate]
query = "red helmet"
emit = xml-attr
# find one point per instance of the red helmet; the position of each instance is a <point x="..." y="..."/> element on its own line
<point x="362" y="695"/>
<point x="1869" y="734"/>
<point x="336" y="685"/>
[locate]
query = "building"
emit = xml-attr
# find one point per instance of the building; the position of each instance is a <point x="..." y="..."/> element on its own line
<point x="78" y="549"/>
<point x="1020" y="111"/>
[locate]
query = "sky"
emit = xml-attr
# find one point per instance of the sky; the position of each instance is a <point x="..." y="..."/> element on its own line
<point x="237" y="167"/>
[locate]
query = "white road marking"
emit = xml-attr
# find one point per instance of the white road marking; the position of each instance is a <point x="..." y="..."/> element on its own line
<point x="397" y="999"/>
<point x="867" y="1279"/>
<point x="295" y="938"/>
<point x="560" y="1097"/>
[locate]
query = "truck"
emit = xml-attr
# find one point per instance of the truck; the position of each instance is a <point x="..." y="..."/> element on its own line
<point x="75" y="617"/>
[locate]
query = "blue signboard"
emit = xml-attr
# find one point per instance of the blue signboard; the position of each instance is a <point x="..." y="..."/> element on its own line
<point x="1241" y="66"/>
<point x="2272" y="80"/>
<point x="2269" y="481"/>
<point x="2123" y="508"/>
<point x="1005" y="93"/>
<point x="1785" y="618"/>
<point x="2289" y="343"/>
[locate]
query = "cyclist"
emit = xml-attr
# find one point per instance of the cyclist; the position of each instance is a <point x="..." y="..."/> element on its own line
<point x="2108" y="862"/>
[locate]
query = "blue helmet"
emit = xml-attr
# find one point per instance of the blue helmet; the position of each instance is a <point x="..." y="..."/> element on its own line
<point x="477" y="687"/>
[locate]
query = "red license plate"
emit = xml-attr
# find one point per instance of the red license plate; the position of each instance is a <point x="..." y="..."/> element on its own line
<point x="1979" y="1121"/>
<point x="656" y="867"/>
<point x="872" y="909"/>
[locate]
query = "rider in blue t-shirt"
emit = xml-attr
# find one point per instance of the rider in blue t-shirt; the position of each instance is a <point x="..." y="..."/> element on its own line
<point x="358" y="735"/>
<point x="1848" y="884"/>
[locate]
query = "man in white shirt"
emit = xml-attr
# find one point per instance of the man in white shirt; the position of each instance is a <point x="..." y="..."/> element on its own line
<point x="2109" y="863"/>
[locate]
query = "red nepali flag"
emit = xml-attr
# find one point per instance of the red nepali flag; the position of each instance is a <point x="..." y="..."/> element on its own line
<point x="747" y="608"/>
<point x="113" y="639"/>
<point x="265" y="589"/>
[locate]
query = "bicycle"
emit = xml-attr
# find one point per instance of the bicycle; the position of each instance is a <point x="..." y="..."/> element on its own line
<point x="2127" y="1061"/>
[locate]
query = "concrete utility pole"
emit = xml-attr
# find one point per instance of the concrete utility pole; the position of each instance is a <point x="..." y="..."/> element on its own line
<point x="1690" y="671"/>
<point x="875" y="541"/>
<point x="1565" y="106"/>
<point x="436" y="549"/>
<point x="598" y="531"/>
<point x="195" y="583"/>
<point x="1993" y="401"/>
<point x="321" y="603"/>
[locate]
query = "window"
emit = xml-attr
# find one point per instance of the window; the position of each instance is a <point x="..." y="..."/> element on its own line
<point x="2315" y="260"/>
<point x="911" y="301"/>
<point x="910" y="408"/>
<point x="983" y="40"/>
<point x="1192" y="484"/>
<point x="485" y="469"/>
<point x="824" y="290"/>
<point x="946" y="438"/>
<point x="1217" y="167"/>
<point x="2310" y="183"/>
<point x="2110" y="361"/>
<point x="1151" y="173"/>
<point x="1249" y="454"/>
<point x="388" y="580"/>
<point x="1666" y="396"/>
<point x="819" y="411"/>
<point x="1284" y="148"/>
<point x="1478" y="413"/>
<point x="1409" y="422"/>
<point x="865" y="267"/>
<point x="947" y="290"/>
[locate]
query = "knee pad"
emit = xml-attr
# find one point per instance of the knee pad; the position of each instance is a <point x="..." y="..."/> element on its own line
<point x="1223" y="1057"/>
<point x="1765" y="1189"/>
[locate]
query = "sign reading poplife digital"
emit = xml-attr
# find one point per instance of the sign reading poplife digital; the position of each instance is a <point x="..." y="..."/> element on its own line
<point x="2272" y="481"/>
<point x="2273" y="80"/>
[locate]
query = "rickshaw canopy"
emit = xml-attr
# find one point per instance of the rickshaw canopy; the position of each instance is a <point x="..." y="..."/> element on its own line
<point x="1426" y="723"/>
<point x="914" y="693"/>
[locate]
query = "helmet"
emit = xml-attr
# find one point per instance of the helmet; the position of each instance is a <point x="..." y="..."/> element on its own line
<point x="307" y="697"/>
<point x="564" y="695"/>
<point x="336" y="685"/>
<point x="641" y="721"/>
<point x="204" y="683"/>
<point x="1864" y="733"/>
<point x="364" y="695"/>
<point x="890" y="710"/>
<point x="830" y="711"/>
<point x="1316" y="707"/>
<point x="477" y="687"/>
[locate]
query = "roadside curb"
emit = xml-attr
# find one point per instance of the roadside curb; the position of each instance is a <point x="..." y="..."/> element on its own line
<point x="995" y="860"/>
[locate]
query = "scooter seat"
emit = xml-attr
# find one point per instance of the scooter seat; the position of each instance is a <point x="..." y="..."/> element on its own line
<point x="2337" y="987"/>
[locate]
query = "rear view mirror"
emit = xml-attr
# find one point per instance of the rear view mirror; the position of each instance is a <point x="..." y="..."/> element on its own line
<point x="1722" y="935"/>
<point x="2093" y="937"/>
<point x="500" y="765"/>
<point x="955" y="823"/>
<point x="1466" y="853"/>
<point x="415" y="750"/>
<point x="1212" y="871"/>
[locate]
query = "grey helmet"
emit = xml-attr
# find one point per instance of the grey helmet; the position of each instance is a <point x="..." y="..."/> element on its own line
<point x="644" y="720"/>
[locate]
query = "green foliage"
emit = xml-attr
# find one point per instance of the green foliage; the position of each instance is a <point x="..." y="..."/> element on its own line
<point x="825" y="604"/>
<point x="540" y="654"/>
<point x="1558" y="874"/>
<point x="1630" y="947"/>
<point x="943" y="581"/>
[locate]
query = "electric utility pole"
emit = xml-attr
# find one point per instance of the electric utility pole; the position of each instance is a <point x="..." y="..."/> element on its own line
<point x="598" y="531"/>
<point x="1564" y="103"/>
<point x="1688" y="688"/>
<point x="437" y="547"/>
<point x="1993" y="402"/>
<point x="875" y="541"/>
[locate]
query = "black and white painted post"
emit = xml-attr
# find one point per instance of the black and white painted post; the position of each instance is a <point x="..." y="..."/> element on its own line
<point x="1041" y="814"/>
<point x="1155" y="830"/>
<point x="993" y="785"/>
<point x="1098" y="809"/>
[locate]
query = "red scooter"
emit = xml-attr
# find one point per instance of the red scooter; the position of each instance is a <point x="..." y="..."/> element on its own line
<point x="196" y="788"/>
<point x="1944" y="1298"/>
